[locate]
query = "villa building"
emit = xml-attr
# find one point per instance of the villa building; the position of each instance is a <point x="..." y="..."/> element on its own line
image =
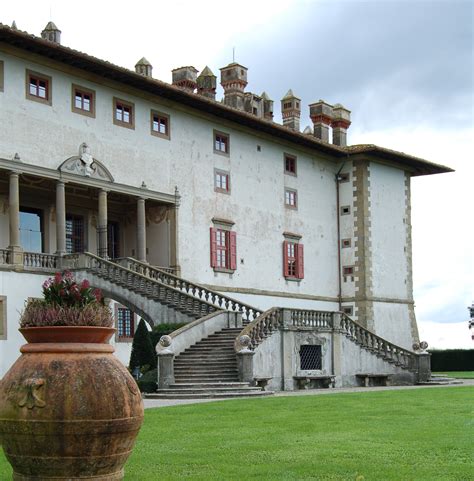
<point x="101" y="159"/>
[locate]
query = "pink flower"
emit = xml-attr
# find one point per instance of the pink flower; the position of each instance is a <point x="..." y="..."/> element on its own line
<point x="47" y="284"/>
<point x="58" y="278"/>
<point x="85" y="284"/>
<point x="68" y="275"/>
<point x="98" y="294"/>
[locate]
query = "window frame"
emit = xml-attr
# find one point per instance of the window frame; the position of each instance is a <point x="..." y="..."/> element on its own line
<point x="84" y="91"/>
<point x="119" y="337"/>
<point x="218" y="133"/>
<point x="82" y="238"/>
<point x="346" y="243"/>
<point x="345" y="210"/>
<point x="229" y="249"/>
<point x="295" y="270"/>
<point x="161" y="115"/>
<point x="291" y="158"/>
<point x="288" y="205"/>
<point x="40" y="213"/>
<point x="48" y="100"/>
<point x="222" y="173"/>
<point x="123" y="103"/>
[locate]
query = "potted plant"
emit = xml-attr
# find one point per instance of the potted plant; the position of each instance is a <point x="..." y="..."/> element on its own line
<point x="68" y="408"/>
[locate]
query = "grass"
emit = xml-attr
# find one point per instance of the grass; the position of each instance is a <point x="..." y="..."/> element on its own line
<point x="406" y="435"/>
<point x="457" y="374"/>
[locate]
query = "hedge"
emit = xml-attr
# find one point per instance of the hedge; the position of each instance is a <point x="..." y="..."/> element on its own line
<point x="452" y="360"/>
<point x="148" y="382"/>
<point x="164" y="329"/>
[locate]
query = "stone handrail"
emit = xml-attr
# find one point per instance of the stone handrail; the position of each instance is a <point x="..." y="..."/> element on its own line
<point x="308" y="318"/>
<point x="260" y="328"/>
<point x="373" y="343"/>
<point x="249" y="313"/>
<point x="41" y="260"/>
<point x="149" y="287"/>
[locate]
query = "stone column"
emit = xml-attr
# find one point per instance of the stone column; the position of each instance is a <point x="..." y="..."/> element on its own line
<point x="16" y="252"/>
<point x="102" y="224"/>
<point x="60" y="218"/>
<point x="141" y="230"/>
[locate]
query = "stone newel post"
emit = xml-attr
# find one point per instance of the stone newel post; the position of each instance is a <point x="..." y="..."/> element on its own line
<point x="245" y="360"/>
<point x="165" y="363"/>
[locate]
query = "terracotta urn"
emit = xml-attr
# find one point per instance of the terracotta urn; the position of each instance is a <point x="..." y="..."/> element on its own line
<point x="69" y="410"/>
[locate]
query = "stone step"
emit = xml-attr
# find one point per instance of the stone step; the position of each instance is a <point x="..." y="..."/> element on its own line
<point x="208" y="385"/>
<point x="205" y="372"/>
<point x="204" y="379"/>
<point x="206" y="390"/>
<point x="207" y="356"/>
<point x="208" y="395"/>
<point x="206" y="363"/>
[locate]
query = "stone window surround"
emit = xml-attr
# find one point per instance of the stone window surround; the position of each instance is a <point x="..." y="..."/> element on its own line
<point x="222" y="173"/>
<point x="3" y="317"/>
<point x="345" y="243"/>
<point x="225" y="225"/>
<point x="49" y="87"/>
<point x="291" y="206"/>
<point x="294" y="159"/>
<point x="83" y="90"/>
<point x="118" y="338"/>
<point x="219" y="133"/>
<point x="348" y="310"/>
<point x="125" y="103"/>
<point x="161" y="115"/>
<point x="345" y="209"/>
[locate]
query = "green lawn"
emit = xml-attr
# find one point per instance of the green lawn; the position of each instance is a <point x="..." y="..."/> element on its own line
<point x="457" y="374"/>
<point x="406" y="435"/>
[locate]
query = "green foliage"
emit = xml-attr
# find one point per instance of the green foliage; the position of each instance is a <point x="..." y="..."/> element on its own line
<point x="414" y="434"/>
<point x="452" y="360"/>
<point x="163" y="330"/>
<point x="147" y="383"/>
<point x="143" y="353"/>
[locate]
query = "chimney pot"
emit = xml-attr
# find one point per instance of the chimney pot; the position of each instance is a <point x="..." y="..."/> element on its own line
<point x="51" y="33"/>
<point x="185" y="78"/>
<point x="340" y="123"/>
<point x="144" y="67"/>
<point x="321" y="114"/>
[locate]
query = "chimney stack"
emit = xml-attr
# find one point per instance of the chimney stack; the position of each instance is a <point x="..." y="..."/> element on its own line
<point x="234" y="81"/>
<point x="185" y="78"/>
<point x="144" y="67"/>
<point x="291" y="111"/>
<point x="341" y="121"/>
<point x="267" y="106"/>
<point x="321" y="114"/>
<point x="206" y="84"/>
<point x="51" y="33"/>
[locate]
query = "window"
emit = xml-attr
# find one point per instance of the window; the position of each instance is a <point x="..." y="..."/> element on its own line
<point x="223" y="249"/>
<point x="83" y="101"/>
<point x="31" y="229"/>
<point x="310" y="357"/>
<point x="160" y="124"/>
<point x="125" y="322"/>
<point x="290" y="164"/>
<point x="221" y="181"/>
<point x="348" y="273"/>
<point x="113" y="239"/>
<point x="348" y="310"/>
<point x="38" y="87"/>
<point x="74" y="233"/>
<point x="221" y="143"/>
<point x="291" y="198"/>
<point x="293" y="260"/>
<point x="344" y="177"/>
<point x="345" y="243"/>
<point x="345" y="210"/>
<point x="123" y="113"/>
<point x="2" y="81"/>
<point x="287" y="105"/>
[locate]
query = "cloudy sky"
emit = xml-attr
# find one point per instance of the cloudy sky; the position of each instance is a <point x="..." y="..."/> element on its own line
<point x="404" y="68"/>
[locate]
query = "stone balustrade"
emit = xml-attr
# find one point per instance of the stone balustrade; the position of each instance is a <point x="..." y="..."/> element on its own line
<point x="308" y="318"/>
<point x="40" y="260"/>
<point x="249" y="313"/>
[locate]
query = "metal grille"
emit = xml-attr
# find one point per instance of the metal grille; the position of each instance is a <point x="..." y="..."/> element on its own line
<point x="124" y="322"/>
<point x="310" y="357"/>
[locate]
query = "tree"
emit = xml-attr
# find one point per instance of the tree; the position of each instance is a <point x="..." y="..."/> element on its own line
<point x="143" y="353"/>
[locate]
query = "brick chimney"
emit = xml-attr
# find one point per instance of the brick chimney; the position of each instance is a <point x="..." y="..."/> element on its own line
<point x="234" y="81"/>
<point x="206" y="84"/>
<point x="185" y="78"/>
<point x="144" y="67"/>
<point x="341" y="121"/>
<point x="321" y="114"/>
<point x="291" y="111"/>
<point x="51" y="33"/>
<point x="267" y="106"/>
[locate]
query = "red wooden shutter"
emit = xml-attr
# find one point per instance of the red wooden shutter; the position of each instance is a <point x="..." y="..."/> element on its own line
<point x="286" y="271"/>
<point x="233" y="250"/>
<point x="213" y="247"/>
<point x="299" y="261"/>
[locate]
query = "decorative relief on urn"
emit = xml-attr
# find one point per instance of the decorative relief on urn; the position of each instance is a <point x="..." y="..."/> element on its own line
<point x="33" y="393"/>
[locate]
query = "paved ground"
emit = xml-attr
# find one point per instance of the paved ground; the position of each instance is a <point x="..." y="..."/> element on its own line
<point x="158" y="403"/>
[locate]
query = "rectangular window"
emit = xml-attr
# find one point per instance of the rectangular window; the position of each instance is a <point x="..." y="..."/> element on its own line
<point x="125" y="322"/>
<point x="83" y="101"/>
<point x="345" y="210"/>
<point x="310" y="357"/>
<point x="223" y="249"/>
<point x="348" y="270"/>
<point x="38" y="87"/>
<point x="31" y="229"/>
<point x="221" y="181"/>
<point x="345" y="243"/>
<point x="293" y="260"/>
<point x="290" y="164"/>
<point x="113" y="239"/>
<point x="124" y="113"/>
<point x="2" y="76"/>
<point x="221" y="143"/>
<point x="160" y="124"/>
<point x="291" y="200"/>
<point x="74" y="233"/>
<point x="349" y="310"/>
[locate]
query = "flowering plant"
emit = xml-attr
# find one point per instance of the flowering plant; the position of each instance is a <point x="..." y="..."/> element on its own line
<point x="66" y="303"/>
